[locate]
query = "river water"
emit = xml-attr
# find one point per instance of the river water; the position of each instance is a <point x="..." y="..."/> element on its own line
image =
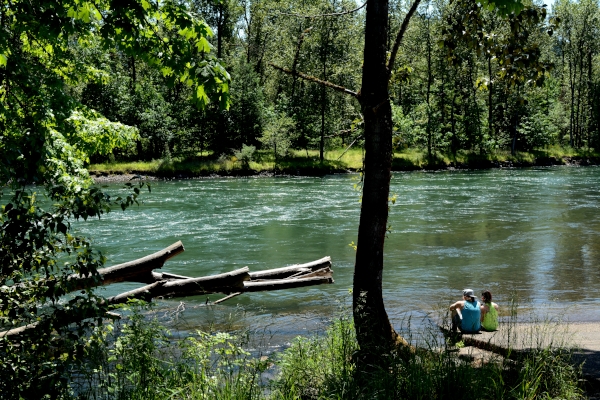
<point x="527" y="234"/>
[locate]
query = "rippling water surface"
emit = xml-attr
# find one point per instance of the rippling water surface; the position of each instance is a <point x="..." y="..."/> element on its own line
<point x="530" y="234"/>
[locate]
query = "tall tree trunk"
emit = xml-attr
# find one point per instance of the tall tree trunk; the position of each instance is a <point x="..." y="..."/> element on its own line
<point x="429" y="79"/>
<point x="374" y="331"/>
<point x="515" y="125"/>
<point x="490" y="101"/>
<point x="454" y="143"/>
<point x="572" y="110"/>
<point x="323" y="109"/>
<point x="590" y="98"/>
<point x="442" y="103"/>
<point x="323" y="95"/>
<point x="133" y="74"/>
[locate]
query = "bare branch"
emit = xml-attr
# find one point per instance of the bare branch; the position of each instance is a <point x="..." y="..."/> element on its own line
<point x="348" y="148"/>
<point x="400" y="35"/>
<point x="316" y="80"/>
<point x="338" y="14"/>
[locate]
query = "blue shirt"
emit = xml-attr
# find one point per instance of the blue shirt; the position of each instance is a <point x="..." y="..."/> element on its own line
<point x="471" y="317"/>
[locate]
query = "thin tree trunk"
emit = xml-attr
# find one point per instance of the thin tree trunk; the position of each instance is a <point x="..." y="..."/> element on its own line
<point x="429" y="79"/>
<point x="515" y="125"/>
<point x="572" y="112"/>
<point x="323" y="97"/>
<point x="490" y="101"/>
<point x="454" y="145"/>
<point x="220" y="28"/>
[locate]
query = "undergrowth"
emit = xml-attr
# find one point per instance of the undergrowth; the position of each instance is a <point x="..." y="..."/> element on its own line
<point x="322" y="368"/>
<point x="138" y="358"/>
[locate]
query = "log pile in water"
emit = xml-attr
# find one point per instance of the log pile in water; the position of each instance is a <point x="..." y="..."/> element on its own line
<point x="167" y="285"/>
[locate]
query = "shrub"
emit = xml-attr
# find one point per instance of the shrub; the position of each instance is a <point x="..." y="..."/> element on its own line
<point x="245" y="155"/>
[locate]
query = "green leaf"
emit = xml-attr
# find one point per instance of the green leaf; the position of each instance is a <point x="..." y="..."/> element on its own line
<point x="203" y="45"/>
<point x="201" y="96"/>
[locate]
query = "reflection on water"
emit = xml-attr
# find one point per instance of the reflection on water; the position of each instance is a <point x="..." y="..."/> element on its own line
<point x="532" y="233"/>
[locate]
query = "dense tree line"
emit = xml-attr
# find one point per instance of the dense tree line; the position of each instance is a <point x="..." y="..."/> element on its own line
<point x="452" y="88"/>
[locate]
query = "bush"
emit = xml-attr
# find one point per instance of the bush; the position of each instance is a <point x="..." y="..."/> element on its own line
<point x="245" y="155"/>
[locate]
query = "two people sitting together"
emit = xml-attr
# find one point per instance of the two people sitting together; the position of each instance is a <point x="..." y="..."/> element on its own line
<point x="471" y="316"/>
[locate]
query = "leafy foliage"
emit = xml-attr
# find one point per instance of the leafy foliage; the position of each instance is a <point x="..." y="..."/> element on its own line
<point x="46" y="138"/>
<point x="140" y="359"/>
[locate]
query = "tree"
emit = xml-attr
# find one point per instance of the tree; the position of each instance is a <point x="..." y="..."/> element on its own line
<point x="375" y="334"/>
<point x="46" y="138"/>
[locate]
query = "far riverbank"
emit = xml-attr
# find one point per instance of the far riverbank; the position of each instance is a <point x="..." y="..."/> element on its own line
<point x="335" y="162"/>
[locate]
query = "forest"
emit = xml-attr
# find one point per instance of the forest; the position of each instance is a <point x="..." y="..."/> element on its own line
<point x="455" y="85"/>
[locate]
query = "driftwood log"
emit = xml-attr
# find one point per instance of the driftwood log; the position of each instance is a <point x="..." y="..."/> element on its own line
<point x="139" y="270"/>
<point x="167" y="285"/>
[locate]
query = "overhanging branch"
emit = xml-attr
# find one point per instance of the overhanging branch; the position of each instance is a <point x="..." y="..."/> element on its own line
<point x="316" y="80"/>
<point x="337" y="14"/>
<point x="400" y="35"/>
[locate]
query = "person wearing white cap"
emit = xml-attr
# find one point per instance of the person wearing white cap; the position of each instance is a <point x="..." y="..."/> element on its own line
<point x="466" y="313"/>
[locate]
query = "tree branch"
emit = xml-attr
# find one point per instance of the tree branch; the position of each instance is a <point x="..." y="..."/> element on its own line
<point x="338" y="14"/>
<point x="400" y="35"/>
<point x="351" y="144"/>
<point x="316" y="80"/>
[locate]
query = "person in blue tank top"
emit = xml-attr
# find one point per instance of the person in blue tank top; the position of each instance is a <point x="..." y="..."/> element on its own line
<point x="466" y="313"/>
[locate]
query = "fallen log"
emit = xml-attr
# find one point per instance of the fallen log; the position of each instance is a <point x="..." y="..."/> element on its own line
<point x="233" y="282"/>
<point x="278" y="284"/>
<point x="222" y="283"/>
<point x="323" y="272"/>
<point x="285" y="272"/>
<point x="15" y="332"/>
<point x="139" y="270"/>
<point x="470" y="339"/>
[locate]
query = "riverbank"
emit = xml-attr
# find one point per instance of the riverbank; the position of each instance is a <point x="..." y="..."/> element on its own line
<point x="581" y="337"/>
<point x="335" y="162"/>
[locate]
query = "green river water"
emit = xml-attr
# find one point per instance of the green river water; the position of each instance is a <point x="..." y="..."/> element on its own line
<point x="530" y="234"/>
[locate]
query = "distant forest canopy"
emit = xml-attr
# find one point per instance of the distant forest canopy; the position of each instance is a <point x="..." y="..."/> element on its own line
<point x="451" y="88"/>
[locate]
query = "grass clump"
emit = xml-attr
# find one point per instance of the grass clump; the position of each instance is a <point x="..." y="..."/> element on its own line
<point x="318" y="367"/>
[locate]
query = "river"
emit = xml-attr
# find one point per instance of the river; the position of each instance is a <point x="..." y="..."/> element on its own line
<point x="527" y="234"/>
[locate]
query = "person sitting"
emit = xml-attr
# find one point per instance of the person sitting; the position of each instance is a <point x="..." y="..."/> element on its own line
<point x="489" y="312"/>
<point x="466" y="313"/>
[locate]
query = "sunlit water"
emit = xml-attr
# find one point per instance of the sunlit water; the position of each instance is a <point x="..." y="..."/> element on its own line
<point x="529" y="234"/>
